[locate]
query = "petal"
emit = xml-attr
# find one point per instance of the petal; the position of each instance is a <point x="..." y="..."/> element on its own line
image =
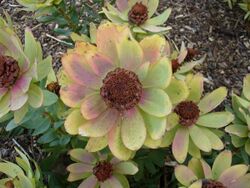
<point x="23" y="83"/>
<point x="112" y="182"/>
<point x="90" y="182"/>
<point x="195" y="85"/>
<point x="80" y="71"/>
<point x="101" y="125"/>
<point x="35" y="96"/>
<point x="92" y="106"/>
<point x="73" y="94"/>
<point x="3" y="91"/>
<point x="187" y="67"/>
<point x="222" y="162"/>
<point x="126" y="167"/>
<point x="121" y="4"/>
<point x="246" y="87"/>
<point x="168" y="137"/>
<point x="81" y="155"/>
<point x="159" y="74"/>
<point x="161" y="19"/>
<point x="237" y="141"/>
<point x="123" y="180"/>
<point x="184" y="175"/>
<point x="152" y="47"/>
<point x="215" y="141"/>
<point x="212" y="100"/>
<point x="197" y="184"/>
<point x="247" y="146"/>
<point x="107" y="36"/>
<point x="99" y="63"/>
<point x="177" y="91"/>
<point x="232" y="174"/>
<point x="200" y="139"/>
<point x="4" y="105"/>
<point x="80" y="168"/>
<point x="133" y="130"/>
<point x="183" y="53"/>
<point x="152" y="7"/>
<point x="96" y="144"/>
<point x="153" y="144"/>
<point x="17" y="102"/>
<point x="238" y="130"/>
<point x="116" y="145"/>
<point x="75" y="176"/>
<point x="130" y="54"/>
<point x="73" y="121"/>
<point x="155" y="29"/>
<point x="180" y="144"/>
<point x="200" y="168"/>
<point x="172" y="121"/>
<point x="215" y="119"/>
<point x="155" y="102"/>
<point x="193" y="150"/>
<point x="142" y="71"/>
<point x="155" y="126"/>
<point x="242" y="182"/>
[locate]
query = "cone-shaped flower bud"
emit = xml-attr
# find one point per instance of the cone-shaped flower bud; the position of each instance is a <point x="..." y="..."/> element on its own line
<point x="138" y="14"/>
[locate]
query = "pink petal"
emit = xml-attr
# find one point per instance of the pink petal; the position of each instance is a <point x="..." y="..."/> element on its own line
<point x="17" y="98"/>
<point x="107" y="36"/>
<point x="73" y="94"/>
<point x="242" y="182"/>
<point x="22" y="83"/>
<point x="180" y="144"/>
<point x="80" y="71"/>
<point x="101" y="125"/>
<point x="232" y="174"/>
<point x="100" y="64"/>
<point x="112" y="182"/>
<point x="122" y="4"/>
<point x="79" y="168"/>
<point x="90" y="182"/>
<point x="82" y="155"/>
<point x="92" y="106"/>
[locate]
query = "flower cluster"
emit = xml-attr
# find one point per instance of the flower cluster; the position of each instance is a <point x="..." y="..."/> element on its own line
<point x="36" y="5"/>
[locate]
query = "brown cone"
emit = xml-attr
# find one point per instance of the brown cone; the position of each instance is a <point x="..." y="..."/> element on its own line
<point x="138" y="14"/>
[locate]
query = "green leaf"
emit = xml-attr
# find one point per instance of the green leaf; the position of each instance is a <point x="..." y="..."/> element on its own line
<point x="11" y="125"/>
<point x="48" y="137"/>
<point x="49" y="98"/>
<point x="44" y="67"/>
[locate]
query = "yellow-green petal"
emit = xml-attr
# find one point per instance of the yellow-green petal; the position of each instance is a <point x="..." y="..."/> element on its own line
<point x="184" y="175"/>
<point x="195" y="86"/>
<point x="246" y="87"/>
<point x="96" y="144"/>
<point x="193" y="150"/>
<point x="199" y="138"/>
<point x="238" y="130"/>
<point x="126" y="167"/>
<point x="155" y="102"/>
<point x="35" y="95"/>
<point x="215" y="141"/>
<point x="212" y="100"/>
<point x="73" y="121"/>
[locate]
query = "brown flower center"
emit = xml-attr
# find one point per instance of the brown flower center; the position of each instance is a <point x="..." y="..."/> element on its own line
<point x="212" y="184"/>
<point x="103" y="170"/>
<point x="9" y="71"/>
<point x="175" y="65"/>
<point x="9" y="184"/>
<point x="188" y="113"/>
<point x="191" y="53"/>
<point x="138" y="14"/>
<point x="121" y="89"/>
<point x="54" y="87"/>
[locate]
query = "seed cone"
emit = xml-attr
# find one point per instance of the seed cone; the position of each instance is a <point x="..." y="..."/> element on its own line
<point x="138" y="14"/>
<point x="175" y="65"/>
<point x="212" y="184"/>
<point x="54" y="87"/>
<point x="9" y="71"/>
<point x="103" y="171"/>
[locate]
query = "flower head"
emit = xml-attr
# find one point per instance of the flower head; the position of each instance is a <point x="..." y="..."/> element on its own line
<point x="183" y="60"/>
<point x="240" y="129"/>
<point x="138" y="14"/>
<point x="20" y="69"/>
<point x="192" y="126"/>
<point x="198" y="174"/>
<point x="99" y="170"/>
<point x="116" y="90"/>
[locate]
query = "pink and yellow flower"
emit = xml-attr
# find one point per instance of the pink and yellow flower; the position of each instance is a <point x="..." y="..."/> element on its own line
<point x="99" y="170"/>
<point x="192" y="126"/>
<point x="20" y="69"/>
<point x="138" y="14"/>
<point x="198" y="174"/>
<point x="116" y="90"/>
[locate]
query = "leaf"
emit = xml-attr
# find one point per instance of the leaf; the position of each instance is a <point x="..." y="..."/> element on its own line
<point x="49" y="98"/>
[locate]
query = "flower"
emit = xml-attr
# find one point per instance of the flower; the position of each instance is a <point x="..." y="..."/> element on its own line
<point x="36" y="5"/>
<point x="138" y="14"/>
<point x="198" y="174"/>
<point x="99" y="170"/>
<point x="182" y="61"/>
<point x="240" y="129"/>
<point x="116" y="90"/>
<point x="20" y="175"/>
<point x="21" y="68"/>
<point x="191" y="128"/>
